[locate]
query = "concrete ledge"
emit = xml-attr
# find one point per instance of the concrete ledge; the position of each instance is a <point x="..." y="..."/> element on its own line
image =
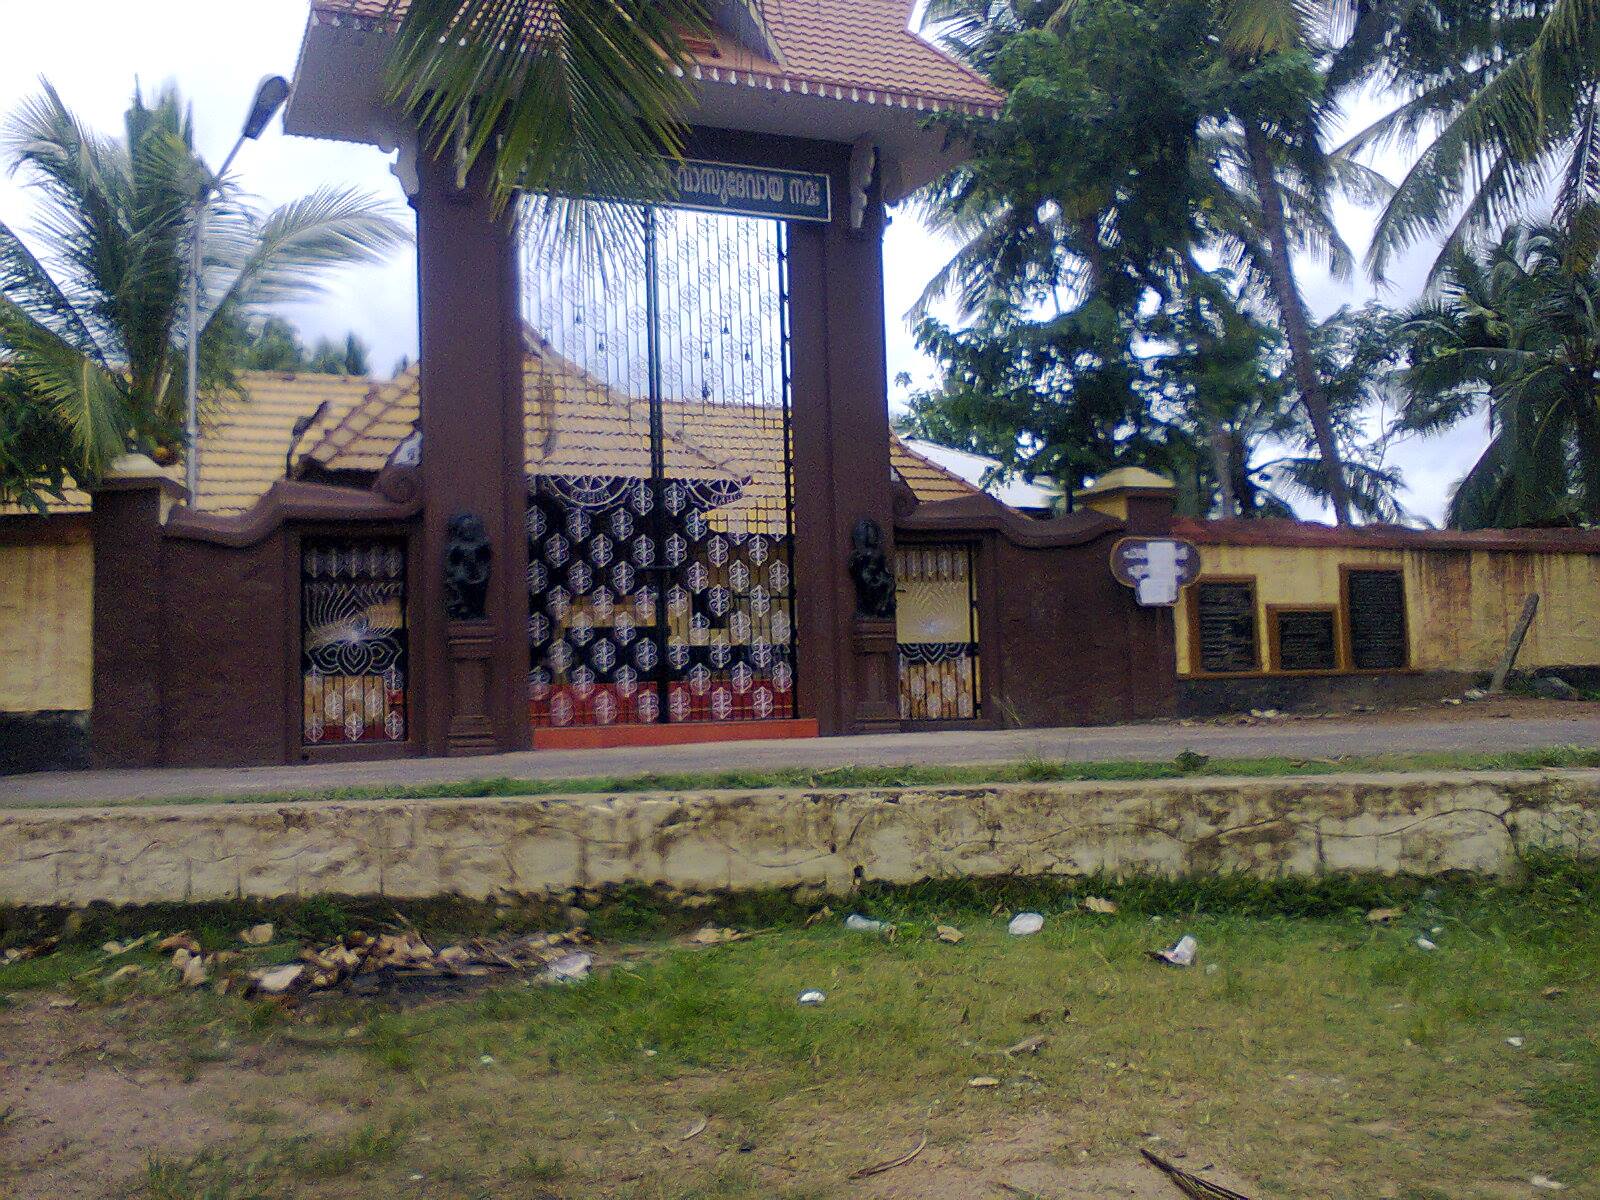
<point x="1402" y="823"/>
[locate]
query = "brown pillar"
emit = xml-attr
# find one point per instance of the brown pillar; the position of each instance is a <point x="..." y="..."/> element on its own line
<point x="472" y="462"/>
<point x="126" y="719"/>
<point x="841" y="454"/>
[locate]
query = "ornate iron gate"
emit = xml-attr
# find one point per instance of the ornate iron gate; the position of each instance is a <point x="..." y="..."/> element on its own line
<point x="936" y="619"/>
<point x="660" y="514"/>
<point x="353" y="644"/>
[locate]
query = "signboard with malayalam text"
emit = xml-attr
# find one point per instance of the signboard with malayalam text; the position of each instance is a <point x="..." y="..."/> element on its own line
<point x="1157" y="569"/>
<point x="752" y="191"/>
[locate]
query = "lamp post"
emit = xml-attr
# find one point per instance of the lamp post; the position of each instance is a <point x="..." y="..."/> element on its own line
<point x="271" y="92"/>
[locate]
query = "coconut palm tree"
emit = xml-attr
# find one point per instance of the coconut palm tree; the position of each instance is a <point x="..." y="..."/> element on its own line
<point x="92" y="303"/>
<point x="574" y="97"/>
<point x="1513" y="334"/>
<point x="1252" y="177"/>
<point x="1505" y="94"/>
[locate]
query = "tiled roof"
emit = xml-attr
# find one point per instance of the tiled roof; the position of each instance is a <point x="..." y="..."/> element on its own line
<point x="243" y="442"/>
<point x="242" y="446"/>
<point x="855" y="50"/>
<point x="577" y="427"/>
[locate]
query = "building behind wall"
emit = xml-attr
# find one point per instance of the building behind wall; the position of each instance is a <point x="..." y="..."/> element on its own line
<point x="1294" y="615"/>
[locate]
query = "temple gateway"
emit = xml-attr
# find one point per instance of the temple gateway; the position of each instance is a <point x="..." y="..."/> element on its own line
<point x="638" y="488"/>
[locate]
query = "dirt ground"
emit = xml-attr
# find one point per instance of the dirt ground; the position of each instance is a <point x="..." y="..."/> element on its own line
<point x="88" y="1108"/>
<point x="1310" y="1052"/>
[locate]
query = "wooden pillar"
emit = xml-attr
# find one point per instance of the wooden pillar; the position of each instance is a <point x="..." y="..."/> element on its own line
<point x="473" y="673"/>
<point x="841" y="455"/>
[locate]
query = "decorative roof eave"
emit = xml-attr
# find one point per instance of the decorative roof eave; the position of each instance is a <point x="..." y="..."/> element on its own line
<point x="765" y="81"/>
<point x="771" y="81"/>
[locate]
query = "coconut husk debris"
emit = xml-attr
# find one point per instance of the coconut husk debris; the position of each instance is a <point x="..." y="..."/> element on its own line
<point x="363" y="963"/>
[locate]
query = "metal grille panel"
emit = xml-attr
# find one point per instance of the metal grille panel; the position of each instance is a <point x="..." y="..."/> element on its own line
<point x="353" y="646"/>
<point x="936" y="626"/>
<point x="660" y="531"/>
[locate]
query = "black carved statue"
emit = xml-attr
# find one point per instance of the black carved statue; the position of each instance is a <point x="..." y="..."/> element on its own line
<point x="869" y="567"/>
<point x="466" y="568"/>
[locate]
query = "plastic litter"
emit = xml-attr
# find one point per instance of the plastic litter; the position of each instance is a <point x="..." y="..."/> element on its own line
<point x="570" y="967"/>
<point x="1180" y="954"/>
<point x="1545" y="1183"/>
<point x="1514" y="1042"/>
<point x="1423" y="943"/>
<point x="1024" y="924"/>
<point x="812" y="997"/>
<point x="862" y="924"/>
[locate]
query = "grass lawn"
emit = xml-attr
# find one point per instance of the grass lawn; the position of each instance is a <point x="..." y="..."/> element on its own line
<point x="1185" y="765"/>
<point x="1308" y="1054"/>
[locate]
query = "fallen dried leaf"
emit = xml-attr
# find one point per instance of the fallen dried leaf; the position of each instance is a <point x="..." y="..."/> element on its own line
<point x="257" y="935"/>
<point x="1382" y="916"/>
<point x="710" y="935"/>
<point x="880" y="1168"/>
<point x="1551" y="993"/>
<point x="822" y="914"/>
<point x="123" y="972"/>
<point x="179" y="941"/>
<point x="1095" y="904"/>
<point x="983" y="1081"/>
<point x="948" y="933"/>
<point x="695" y="1130"/>
<point x="1030" y="1045"/>
<point x="1191" y="1185"/>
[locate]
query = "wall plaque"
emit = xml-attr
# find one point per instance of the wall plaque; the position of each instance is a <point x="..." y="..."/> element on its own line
<point x="1308" y="640"/>
<point x="1226" y="620"/>
<point x="1377" y="616"/>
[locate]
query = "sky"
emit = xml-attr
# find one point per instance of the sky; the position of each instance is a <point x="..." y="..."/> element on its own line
<point x="93" y="51"/>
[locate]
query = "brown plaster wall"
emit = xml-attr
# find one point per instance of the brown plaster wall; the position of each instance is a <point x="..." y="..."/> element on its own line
<point x="197" y="624"/>
<point x="1074" y="646"/>
<point x="1061" y="641"/>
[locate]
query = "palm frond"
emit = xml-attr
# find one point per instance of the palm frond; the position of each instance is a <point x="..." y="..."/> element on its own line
<point x="87" y="399"/>
<point x="584" y="97"/>
<point x="25" y="283"/>
<point x="289" y="253"/>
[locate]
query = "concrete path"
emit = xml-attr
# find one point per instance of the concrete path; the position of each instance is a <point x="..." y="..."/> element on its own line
<point x="1490" y="727"/>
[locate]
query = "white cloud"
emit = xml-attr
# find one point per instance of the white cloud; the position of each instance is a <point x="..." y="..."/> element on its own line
<point x="216" y="50"/>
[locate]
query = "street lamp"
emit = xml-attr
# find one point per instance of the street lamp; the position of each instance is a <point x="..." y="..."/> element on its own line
<point x="271" y="92"/>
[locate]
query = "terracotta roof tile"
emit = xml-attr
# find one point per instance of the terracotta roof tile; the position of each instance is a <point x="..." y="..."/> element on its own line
<point x="243" y="443"/>
<point x="859" y="50"/>
<point x="577" y="427"/>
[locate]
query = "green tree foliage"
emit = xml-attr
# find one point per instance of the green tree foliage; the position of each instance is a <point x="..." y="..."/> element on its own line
<point x="1513" y="335"/>
<point x="1504" y="95"/>
<point x="1199" y="391"/>
<point x="92" y="303"/>
<point x="1131" y="147"/>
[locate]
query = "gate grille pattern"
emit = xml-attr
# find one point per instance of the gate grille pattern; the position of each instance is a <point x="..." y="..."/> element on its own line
<point x="659" y="517"/>
<point x="353" y="640"/>
<point x="936" y="626"/>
